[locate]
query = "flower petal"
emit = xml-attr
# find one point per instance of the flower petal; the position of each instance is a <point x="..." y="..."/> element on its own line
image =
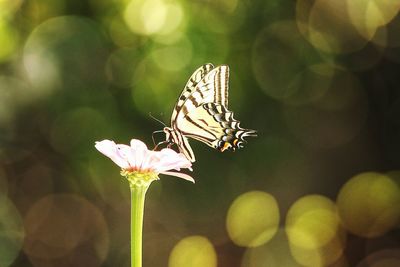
<point x="151" y="160"/>
<point x="109" y="149"/>
<point x="180" y="175"/>
<point x="126" y="152"/>
<point x="139" y="150"/>
<point x="169" y="159"/>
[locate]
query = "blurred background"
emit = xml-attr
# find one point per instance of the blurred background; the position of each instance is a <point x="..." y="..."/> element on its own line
<point x="318" y="79"/>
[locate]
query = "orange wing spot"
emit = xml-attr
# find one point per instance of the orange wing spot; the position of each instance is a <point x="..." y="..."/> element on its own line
<point x="225" y="147"/>
<point x="235" y="142"/>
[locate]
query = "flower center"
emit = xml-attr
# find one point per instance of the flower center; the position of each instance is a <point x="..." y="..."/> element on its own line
<point x="139" y="178"/>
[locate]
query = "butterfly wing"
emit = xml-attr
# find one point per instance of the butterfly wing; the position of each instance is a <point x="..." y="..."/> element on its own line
<point x="214" y="125"/>
<point x="175" y="134"/>
<point x="197" y="76"/>
<point x="204" y="115"/>
<point x="212" y="88"/>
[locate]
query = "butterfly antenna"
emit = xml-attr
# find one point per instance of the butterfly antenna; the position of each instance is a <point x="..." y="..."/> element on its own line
<point x="157" y="119"/>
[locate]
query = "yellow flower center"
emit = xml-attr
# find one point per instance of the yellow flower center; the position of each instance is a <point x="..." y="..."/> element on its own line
<point x="139" y="178"/>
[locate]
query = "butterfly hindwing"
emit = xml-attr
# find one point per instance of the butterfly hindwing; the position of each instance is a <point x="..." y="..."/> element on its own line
<point x="214" y="125"/>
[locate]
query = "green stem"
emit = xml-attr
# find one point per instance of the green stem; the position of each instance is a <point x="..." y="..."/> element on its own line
<point x="139" y="182"/>
<point x="138" y="192"/>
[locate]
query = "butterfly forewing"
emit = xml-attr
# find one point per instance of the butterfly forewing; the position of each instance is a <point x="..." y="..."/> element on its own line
<point x="190" y="87"/>
<point x="213" y="88"/>
<point x="221" y="80"/>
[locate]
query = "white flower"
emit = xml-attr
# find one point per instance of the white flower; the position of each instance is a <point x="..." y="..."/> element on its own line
<point x="136" y="158"/>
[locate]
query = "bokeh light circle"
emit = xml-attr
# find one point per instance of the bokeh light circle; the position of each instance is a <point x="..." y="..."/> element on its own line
<point x="9" y="7"/>
<point x="8" y="38"/>
<point x="153" y="16"/>
<point x="312" y="83"/>
<point x="120" y="33"/>
<point x="282" y="59"/>
<point x="35" y="182"/>
<point x="368" y="15"/>
<point x="59" y="54"/>
<point x="11" y="232"/>
<point x="328" y="27"/>
<point x="14" y="94"/>
<point x="160" y="94"/>
<point x="274" y="253"/>
<point x="314" y="231"/>
<point x="121" y="66"/>
<point x="369" y="204"/>
<point x="252" y="219"/>
<point x="65" y="227"/>
<point x="382" y="258"/>
<point x="334" y="118"/>
<point x="193" y="251"/>
<point x="173" y="57"/>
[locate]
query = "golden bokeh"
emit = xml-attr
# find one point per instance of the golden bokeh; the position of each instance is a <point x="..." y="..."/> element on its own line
<point x="153" y="17"/>
<point x="173" y="57"/>
<point x="327" y="26"/>
<point x="34" y="183"/>
<point x="8" y="39"/>
<point x="41" y="10"/>
<point x="252" y="219"/>
<point x="65" y="225"/>
<point x="369" y="204"/>
<point x="382" y="258"/>
<point x="14" y="94"/>
<point x="7" y="8"/>
<point x="300" y="77"/>
<point x="335" y="117"/>
<point x="394" y="175"/>
<point x="120" y="33"/>
<point x="160" y="93"/>
<point x="317" y="79"/>
<point x="314" y="231"/>
<point x="312" y="83"/>
<point x="11" y="232"/>
<point x="193" y="251"/>
<point x="121" y="65"/>
<point x="368" y="15"/>
<point x="49" y="65"/>
<point x="274" y="253"/>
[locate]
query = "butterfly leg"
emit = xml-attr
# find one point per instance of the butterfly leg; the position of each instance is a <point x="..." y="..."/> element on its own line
<point x="152" y="137"/>
<point x="159" y="144"/>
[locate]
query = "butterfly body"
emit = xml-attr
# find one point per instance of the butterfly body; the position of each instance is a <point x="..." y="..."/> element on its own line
<point x="201" y="113"/>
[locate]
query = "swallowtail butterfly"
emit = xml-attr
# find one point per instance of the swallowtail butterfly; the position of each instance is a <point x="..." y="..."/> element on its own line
<point x="201" y="113"/>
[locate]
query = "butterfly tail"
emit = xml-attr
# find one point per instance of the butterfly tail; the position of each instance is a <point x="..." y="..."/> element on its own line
<point x="233" y="135"/>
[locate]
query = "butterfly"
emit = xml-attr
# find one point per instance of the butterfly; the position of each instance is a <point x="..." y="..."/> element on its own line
<point x="201" y="113"/>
